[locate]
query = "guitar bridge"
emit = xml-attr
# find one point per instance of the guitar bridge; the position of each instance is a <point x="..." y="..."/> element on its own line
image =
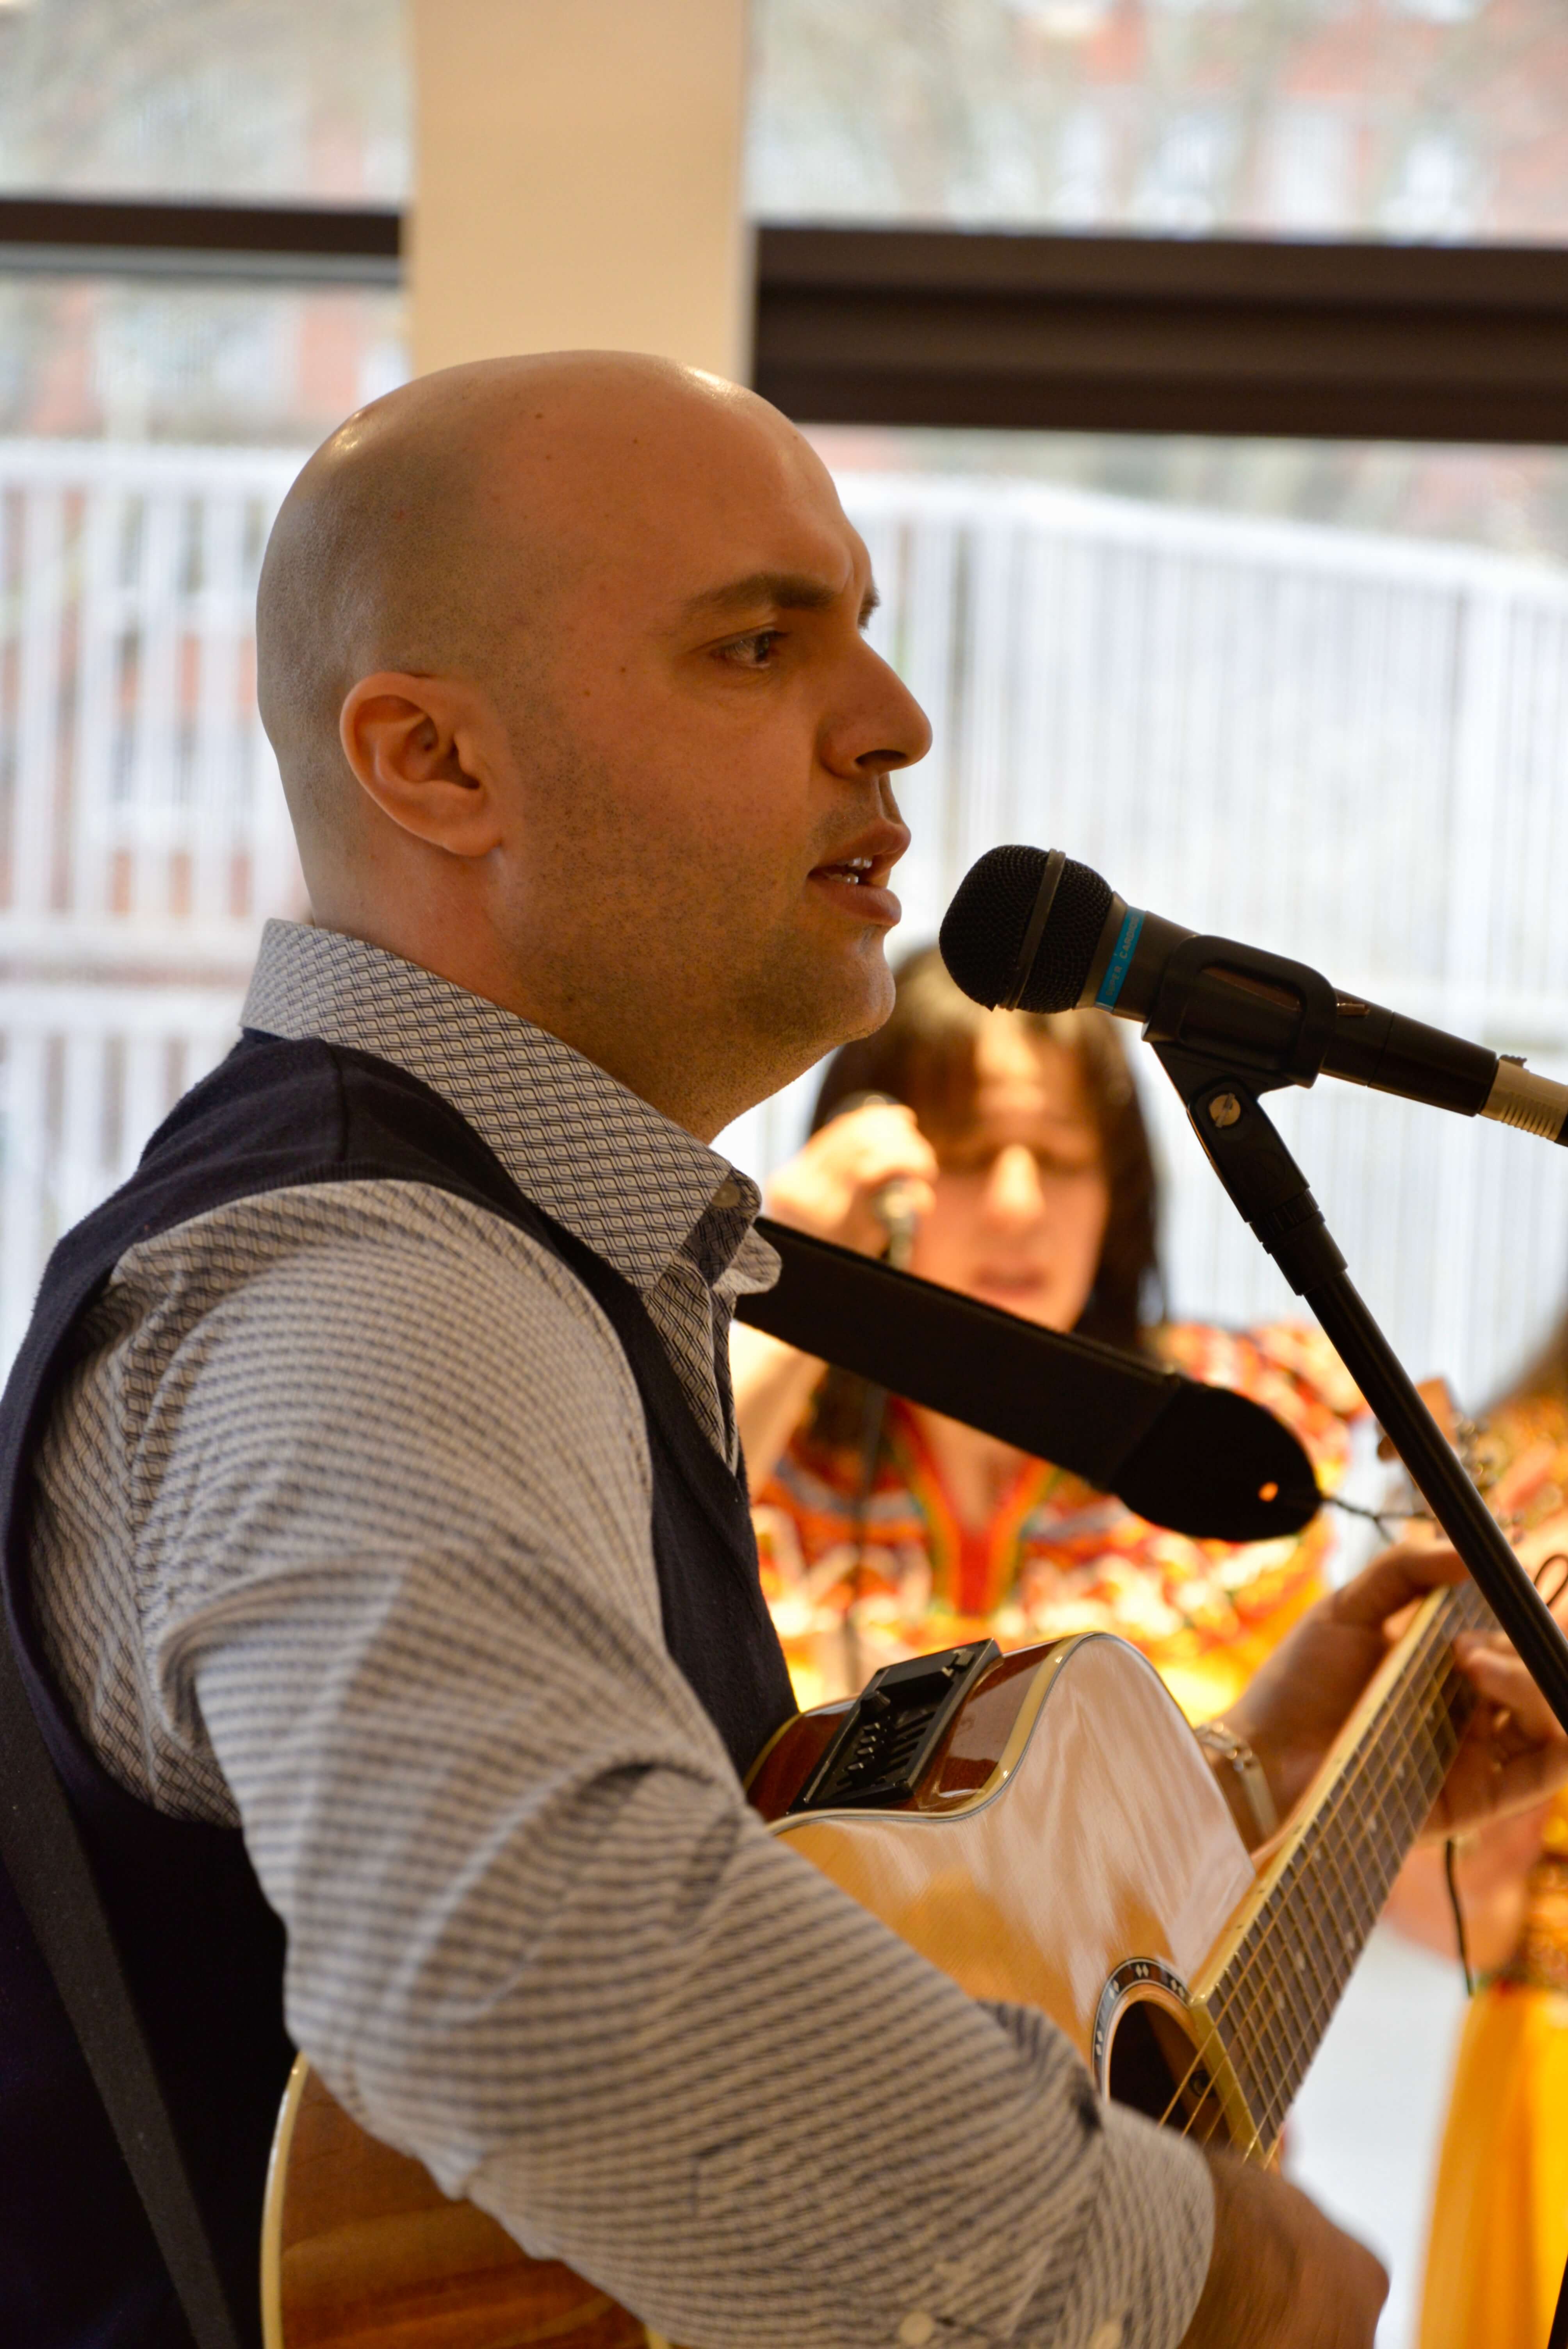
<point x="886" y="1743"/>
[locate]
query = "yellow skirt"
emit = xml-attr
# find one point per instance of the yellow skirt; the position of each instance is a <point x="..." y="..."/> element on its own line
<point x="1500" y="2212"/>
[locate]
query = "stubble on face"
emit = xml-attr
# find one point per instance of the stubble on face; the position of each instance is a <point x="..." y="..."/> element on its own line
<point x="648" y="922"/>
<point x="672" y="832"/>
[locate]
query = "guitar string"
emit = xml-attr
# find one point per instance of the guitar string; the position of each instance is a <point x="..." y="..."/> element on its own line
<point x="1410" y="1687"/>
<point x="1280" y="2044"/>
<point x="1338" y="1884"/>
<point x="1419" y="1669"/>
<point x="1430" y="1674"/>
<point x="1354" y="1901"/>
<point x="1427" y="1669"/>
<point x="1414" y="1692"/>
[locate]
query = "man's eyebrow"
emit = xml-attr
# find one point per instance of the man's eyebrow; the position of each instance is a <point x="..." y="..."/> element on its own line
<point x="777" y="591"/>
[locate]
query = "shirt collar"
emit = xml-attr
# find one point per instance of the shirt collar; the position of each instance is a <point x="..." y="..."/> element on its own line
<point x="636" y="1189"/>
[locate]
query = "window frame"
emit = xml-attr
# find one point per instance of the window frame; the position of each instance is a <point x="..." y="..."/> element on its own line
<point x="1232" y="336"/>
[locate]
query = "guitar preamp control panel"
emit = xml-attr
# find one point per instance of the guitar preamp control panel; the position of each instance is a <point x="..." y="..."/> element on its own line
<point x="900" y="1719"/>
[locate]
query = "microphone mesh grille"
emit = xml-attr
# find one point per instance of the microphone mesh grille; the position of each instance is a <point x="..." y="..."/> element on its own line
<point x="984" y="927"/>
<point x="1066" y="944"/>
<point x="985" y="924"/>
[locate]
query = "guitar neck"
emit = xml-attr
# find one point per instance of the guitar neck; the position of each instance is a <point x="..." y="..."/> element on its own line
<point x="1291" y="1951"/>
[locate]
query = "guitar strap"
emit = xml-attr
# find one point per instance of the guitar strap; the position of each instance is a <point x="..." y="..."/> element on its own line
<point x="1201" y="1460"/>
<point x="46" y="1861"/>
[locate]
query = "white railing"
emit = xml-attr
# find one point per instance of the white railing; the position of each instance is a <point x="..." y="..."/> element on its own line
<point x="143" y="837"/>
<point x="1347" y="748"/>
<point x="89" y="1070"/>
<point x="142" y="799"/>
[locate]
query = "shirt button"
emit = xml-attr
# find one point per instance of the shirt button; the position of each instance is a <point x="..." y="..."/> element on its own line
<point x="727" y="1193"/>
<point x="916" y="2329"/>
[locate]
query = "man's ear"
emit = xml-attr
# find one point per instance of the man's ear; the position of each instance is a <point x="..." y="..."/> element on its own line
<point x="428" y="749"/>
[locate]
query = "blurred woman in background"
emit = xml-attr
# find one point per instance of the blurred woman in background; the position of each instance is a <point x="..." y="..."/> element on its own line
<point x="1014" y="1146"/>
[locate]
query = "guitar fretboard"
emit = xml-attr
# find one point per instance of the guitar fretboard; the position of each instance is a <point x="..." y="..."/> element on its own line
<point x="1317" y="1902"/>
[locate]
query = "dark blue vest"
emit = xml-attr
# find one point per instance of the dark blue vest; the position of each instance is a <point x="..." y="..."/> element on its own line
<point x="202" y="1950"/>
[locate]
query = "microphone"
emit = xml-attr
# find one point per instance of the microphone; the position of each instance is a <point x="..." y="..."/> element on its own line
<point x="894" y="1204"/>
<point x="1030" y="931"/>
<point x="893" y="1207"/>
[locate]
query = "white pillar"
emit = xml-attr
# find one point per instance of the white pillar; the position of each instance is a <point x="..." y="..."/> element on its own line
<point x="578" y="180"/>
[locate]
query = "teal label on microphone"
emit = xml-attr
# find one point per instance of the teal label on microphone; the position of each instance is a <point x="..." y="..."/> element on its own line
<point x="1121" y="955"/>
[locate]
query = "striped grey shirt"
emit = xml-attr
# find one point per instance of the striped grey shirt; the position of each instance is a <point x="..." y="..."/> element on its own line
<point x="341" y="1530"/>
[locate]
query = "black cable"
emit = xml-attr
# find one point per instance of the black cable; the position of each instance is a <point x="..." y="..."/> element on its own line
<point x="873" y="1419"/>
<point x="1378" y="1517"/>
<point x="1457" y="1905"/>
<point x="891" y="1208"/>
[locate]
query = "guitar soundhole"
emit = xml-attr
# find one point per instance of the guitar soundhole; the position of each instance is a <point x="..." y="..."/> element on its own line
<point x="1156" y="2068"/>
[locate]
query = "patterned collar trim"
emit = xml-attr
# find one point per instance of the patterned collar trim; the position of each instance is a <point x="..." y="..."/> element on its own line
<point x="635" y="1189"/>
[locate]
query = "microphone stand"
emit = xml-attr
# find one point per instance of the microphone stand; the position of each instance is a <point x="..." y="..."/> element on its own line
<point x="1272" y="1194"/>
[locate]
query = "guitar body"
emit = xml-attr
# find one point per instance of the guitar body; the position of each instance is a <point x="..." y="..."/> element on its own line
<point x="1096" y="1836"/>
<point x="1065" y="1846"/>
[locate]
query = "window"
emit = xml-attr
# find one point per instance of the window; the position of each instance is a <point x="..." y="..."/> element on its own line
<point x="148" y="426"/>
<point x="1389" y="118"/>
<point x="132" y="360"/>
<point x="268" y="100"/>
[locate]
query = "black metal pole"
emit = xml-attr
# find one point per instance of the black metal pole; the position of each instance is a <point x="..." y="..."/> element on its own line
<point x="1558" y="2338"/>
<point x="1440" y="1478"/>
<point x="1271" y="1193"/>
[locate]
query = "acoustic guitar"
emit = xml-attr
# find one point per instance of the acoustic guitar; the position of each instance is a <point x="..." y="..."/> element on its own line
<point x="1044" y="1827"/>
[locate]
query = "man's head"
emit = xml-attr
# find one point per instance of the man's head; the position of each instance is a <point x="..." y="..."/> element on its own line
<point x="563" y="662"/>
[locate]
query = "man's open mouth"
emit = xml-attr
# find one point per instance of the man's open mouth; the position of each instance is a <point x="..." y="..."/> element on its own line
<point x="858" y="884"/>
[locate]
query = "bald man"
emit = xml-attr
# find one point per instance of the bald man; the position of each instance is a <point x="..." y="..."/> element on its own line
<point x="379" y="1553"/>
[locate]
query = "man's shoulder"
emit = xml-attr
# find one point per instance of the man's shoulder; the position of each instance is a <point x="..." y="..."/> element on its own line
<point x="404" y="1250"/>
<point x="287" y="1324"/>
<point x="246" y="1173"/>
<point x="309" y="1215"/>
<point x="282" y="1111"/>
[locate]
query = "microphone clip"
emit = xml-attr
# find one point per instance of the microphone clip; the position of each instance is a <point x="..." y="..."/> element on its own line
<point x="1266" y="1014"/>
<point x="1243" y="1145"/>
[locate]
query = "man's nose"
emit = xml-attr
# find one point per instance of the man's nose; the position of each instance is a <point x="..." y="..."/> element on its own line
<point x="1014" y="1195"/>
<point x="882" y="726"/>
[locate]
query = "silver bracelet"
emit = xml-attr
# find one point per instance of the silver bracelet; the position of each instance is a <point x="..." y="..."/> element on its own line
<point x="1219" y="1739"/>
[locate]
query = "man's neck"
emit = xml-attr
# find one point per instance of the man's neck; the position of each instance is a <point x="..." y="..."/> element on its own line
<point x="672" y="1070"/>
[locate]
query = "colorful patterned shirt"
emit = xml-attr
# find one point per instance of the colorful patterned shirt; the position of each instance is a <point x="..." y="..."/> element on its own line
<point x="851" y="1590"/>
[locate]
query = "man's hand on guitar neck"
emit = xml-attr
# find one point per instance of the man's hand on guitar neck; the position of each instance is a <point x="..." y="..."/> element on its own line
<point x="1513" y="1753"/>
<point x="1281" y="2275"/>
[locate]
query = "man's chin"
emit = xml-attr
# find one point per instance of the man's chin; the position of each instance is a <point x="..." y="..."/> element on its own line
<point x="876" y="990"/>
<point x="807" y="1003"/>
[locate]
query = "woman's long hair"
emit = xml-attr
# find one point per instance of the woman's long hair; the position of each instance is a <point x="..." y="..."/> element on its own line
<point x="924" y="1057"/>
